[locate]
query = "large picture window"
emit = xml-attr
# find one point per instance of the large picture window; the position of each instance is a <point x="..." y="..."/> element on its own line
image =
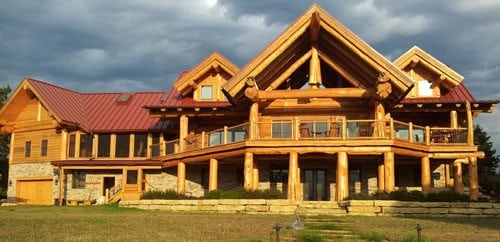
<point x="104" y="145"/>
<point x="140" y="145"/>
<point x="122" y="145"/>
<point x="85" y="145"/>
<point x="78" y="180"/>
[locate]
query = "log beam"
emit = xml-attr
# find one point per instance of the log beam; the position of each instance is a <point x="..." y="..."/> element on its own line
<point x="286" y="74"/>
<point x="248" y="171"/>
<point x="314" y="69"/>
<point x="473" y="179"/>
<point x="426" y="175"/>
<point x="212" y="177"/>
<point x="342" y="176"/>
<point x="181" y="178"/>
<point x="389" y="176"/>
<point x="347" y="92"/>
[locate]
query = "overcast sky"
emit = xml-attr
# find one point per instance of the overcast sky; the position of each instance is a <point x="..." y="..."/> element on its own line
<point x="96" y="46"/>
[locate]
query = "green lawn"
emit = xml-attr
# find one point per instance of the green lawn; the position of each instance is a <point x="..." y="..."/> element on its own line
<point x="111" y="223"/>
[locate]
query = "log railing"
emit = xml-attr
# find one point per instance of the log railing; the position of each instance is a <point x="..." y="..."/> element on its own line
<point x="321" y="129"/>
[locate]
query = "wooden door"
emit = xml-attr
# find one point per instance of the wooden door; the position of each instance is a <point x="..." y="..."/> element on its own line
<point x="34" y="192"/>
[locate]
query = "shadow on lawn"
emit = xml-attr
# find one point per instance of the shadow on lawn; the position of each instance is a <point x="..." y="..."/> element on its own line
<point x="486" y="222"/>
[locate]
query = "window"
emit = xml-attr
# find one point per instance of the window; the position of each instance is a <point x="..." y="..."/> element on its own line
<point x="27" y="149"/>
<point x="425" y="89"/>
<point x="155" y="150"/>
<point x="282" y="129"/>
<point x="317" y="129"/>
<point x="207" y="92"/>
<point x="131" y="176"/>
<point x="85" y="145"/>
<point x="204" y="178"/>
<point x="78" y="180"/>
<point x="72" y="143"/>
<point x="103" y="145"/>
<point x="140" y="145"/>
<point x="122" y="145"/>
<point x="43" y="147"/>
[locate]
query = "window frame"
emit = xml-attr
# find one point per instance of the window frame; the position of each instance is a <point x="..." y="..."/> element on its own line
<point x="127" y="147"/>
<point x="27" y="149"/>
<point x="82" y="144"/>
<point x="145" y="146"/>
<point x="280" y="124"/>
<point x="78" y="179"/>
<point x="202" y="97"/>
<point x="99" y="146"/>
<point x="44" y="147"/>
<point x="72" y="146"/>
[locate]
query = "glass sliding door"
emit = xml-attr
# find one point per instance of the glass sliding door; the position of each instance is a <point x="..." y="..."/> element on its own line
<point x="315" y="188"/>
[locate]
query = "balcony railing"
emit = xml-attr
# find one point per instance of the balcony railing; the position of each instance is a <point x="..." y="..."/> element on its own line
<point x="295" y="129"/>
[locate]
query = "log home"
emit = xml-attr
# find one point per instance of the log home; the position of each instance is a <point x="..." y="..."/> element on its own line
<point x="317" y="114"/>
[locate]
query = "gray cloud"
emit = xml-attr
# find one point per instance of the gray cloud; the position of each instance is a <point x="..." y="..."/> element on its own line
<point x="142" y="45"/>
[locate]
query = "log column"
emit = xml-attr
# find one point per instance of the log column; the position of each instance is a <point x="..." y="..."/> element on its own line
<point x="248" y="171"/>
<point x="380" y="177"/>
<point x="212" y="177"/>
<point x="255" y="176"/>
<point x="389" y="177"/>
<point x="342" y="176"/>
<point x="447" y="175"/>
<point x="470" y="127"/>
<point x="253" y="119"/>
<point x="473" y="180"/>
<point x="183" y="132"/>
<point x="61" y="185"/>
<point x="426" y="175"/>
<point x="181" y="178"/>
<point x="457" y="176"/>
<point x="293" y="165"/>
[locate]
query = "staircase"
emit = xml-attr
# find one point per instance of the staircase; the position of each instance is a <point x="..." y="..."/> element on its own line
<point x="114" y="194"/>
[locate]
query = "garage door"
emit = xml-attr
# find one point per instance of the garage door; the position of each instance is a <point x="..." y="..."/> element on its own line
<point x="34" y="192"/>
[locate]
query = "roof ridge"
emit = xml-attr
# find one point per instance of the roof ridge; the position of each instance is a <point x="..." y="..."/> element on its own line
<point x="53" y="85"/>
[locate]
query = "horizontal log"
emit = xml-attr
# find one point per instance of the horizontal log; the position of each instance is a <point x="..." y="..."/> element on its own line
<point x="257" y="95"/>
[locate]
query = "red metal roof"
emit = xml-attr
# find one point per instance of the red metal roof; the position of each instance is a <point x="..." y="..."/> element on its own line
<point x="458" y="94"/>
<point x="100" y="112"/>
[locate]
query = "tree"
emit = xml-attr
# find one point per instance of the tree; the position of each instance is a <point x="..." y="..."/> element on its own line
<point x="4" y="144"/>
<point x="489" y="164"/>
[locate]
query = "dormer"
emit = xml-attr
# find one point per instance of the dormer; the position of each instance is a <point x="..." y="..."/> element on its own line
<point x="204" y="82"/>
<point x="431" y="77"/>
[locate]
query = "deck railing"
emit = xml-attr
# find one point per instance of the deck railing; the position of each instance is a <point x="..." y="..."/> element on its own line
<point x="448" y="135"/>
<point x="295" y="129"/>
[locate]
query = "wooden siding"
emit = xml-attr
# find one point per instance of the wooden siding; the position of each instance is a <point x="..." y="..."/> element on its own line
<point x="35" y="124"/>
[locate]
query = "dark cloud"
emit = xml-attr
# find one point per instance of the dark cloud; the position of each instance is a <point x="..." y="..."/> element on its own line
<point x="142" y="45"/>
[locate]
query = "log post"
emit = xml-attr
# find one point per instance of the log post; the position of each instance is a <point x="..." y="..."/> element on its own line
<point x="392" y="131"/>
<point x="183" y="132"/>
<point x="453" y="119"/>
<point x="457" y="176"/>
<point x="203" y="139"/>
<point x="379" y="117"/>
<point x="181" y="178"/>
<point x="255" y="176"/>
<point x="389" y="178"/>
<point x="427" y="135"/>
<point x="447" y="177"/>
<point x="248" y="171"/>
<point x="342" y="176"/>
<point x="380" y="177"/>
<point x="140" y="180"/>
<point x="344" y="129"/>
<point x="292" y="175"/>
<point x="296" y="128"/>
<point x="253" y="119"/>
<point x="225" y="135"/>
<point x="61" y="185"/>
<point x="473" y="179"/>
<point x="426" y="175"/>
<point x="410" y="132"/>
<point x="470" y="125"/>
<point x="314" y="69"/>
<point x="212" y="177"/>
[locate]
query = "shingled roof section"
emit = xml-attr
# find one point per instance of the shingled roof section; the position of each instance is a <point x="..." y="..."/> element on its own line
<point x="458" y="94"/>
<point x="99" y="112"/>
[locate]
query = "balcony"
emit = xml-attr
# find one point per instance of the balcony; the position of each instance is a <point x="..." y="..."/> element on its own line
<point x="338" y="131"/>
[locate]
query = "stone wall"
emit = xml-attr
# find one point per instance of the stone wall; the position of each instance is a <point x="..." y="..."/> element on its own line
<point x="93" y="184"/>
<point x="353" y="207"/>
<point x="429" y="209"/>
<point x="254" y="206"/>
<point x="26" y="171"/>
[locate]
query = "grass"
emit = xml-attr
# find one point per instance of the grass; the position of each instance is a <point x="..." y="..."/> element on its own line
<point x="112" y="223"/>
